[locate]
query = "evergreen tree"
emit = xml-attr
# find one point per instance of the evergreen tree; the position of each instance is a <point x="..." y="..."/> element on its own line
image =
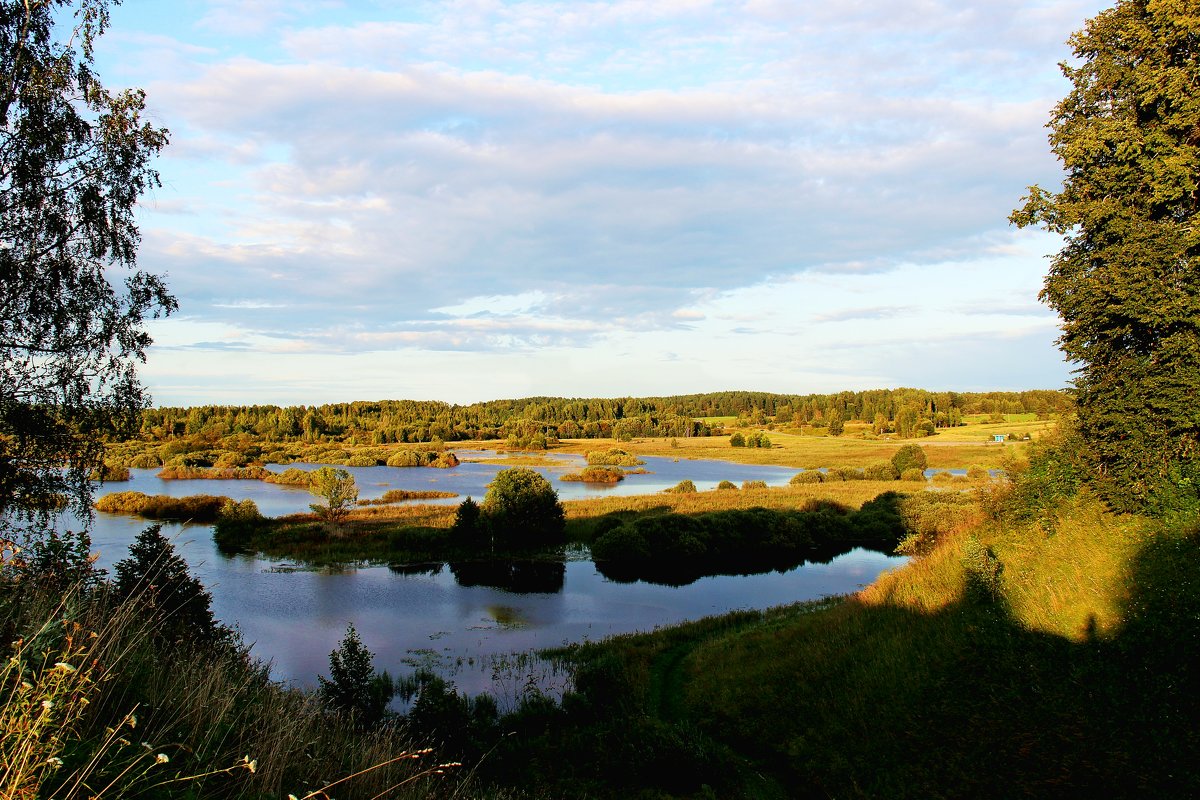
<point x="353" y="687"/>
<point x="156" y="576"/>
<point x="1127" y="280"/>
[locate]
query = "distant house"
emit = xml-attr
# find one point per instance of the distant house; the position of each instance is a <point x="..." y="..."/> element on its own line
<point x="999" y="437"/>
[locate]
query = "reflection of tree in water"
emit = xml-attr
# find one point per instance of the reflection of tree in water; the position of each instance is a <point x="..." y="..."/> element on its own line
<point x="420" y="568"/>
<point x="520" y="576"/>
<point x="684" y="572"/>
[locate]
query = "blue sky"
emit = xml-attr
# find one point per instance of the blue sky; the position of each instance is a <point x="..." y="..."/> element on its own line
<point x="481" y="199"/>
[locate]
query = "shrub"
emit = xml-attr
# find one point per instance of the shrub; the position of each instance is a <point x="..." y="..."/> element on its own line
<point x="910" y="456"/>
<point x="229" y="459"/>
<point x="941" y="477"/>
<point x="404" y="458"/>
<point x="846" y="474"/>
<point x="613" y="457"/>
<point x="723" y="485"/>
<point x="977" y="473"/>
<point x="363" y="460"/>
<point x="913" y="474"/>
<point x="683" y="487"/>
<point x="737" y="440"/>
<point x="292" y="476"/>
<point x="194" y="508"/>
<point x="110" y="474"/>
<point x="445" y="460"/>
<point x="883" y="471"/>
<point x="808" y="476"/>
<point x="754" y="484"/>
<point x="523" y="509"/>
<point x="596" y="475"/>
<point x="145" y="461"/>
<point x="278" y="457"/>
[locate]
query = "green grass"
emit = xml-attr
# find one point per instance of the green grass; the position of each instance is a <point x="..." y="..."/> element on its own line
<point x="1069" y="681"/>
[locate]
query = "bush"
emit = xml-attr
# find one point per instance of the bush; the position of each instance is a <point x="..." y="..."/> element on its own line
<point x="363" y="460"/>
<point x="110" y="474"/>
<point x="754" y="485"/>
<point x="292" y="476"/>
<point x="145" y="461"/>
<point x="883" y="471"/>
<point x="596" y="475"/>
<point x="723" y="485"/>
<point x="942" y="477"/>
<point x="978" y="473"/>
<point x="523" y="509"/>
<point x="405" y="458"/>
<point x="910" y="456"/>
<point x="846" y="474"/>
<point x="194" y="508"/>
<point x="229" y="459"/>
<point x="683" y="487"/>
<point x="913" y="474"/>
<point x="615" y="457"/>
<point x="808" y="476"/>
<point x="737" y="440"/>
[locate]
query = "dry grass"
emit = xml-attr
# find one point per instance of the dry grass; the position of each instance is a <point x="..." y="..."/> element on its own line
<point x="814" y="452"/>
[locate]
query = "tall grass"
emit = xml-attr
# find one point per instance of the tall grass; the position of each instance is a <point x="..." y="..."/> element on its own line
<point x="94" y="707"/>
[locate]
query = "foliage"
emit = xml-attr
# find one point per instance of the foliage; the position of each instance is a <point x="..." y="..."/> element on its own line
<point x="807" y="477"/>
<point x="353" y="687"/>
<point x="156" y="577"/>
<point x="1125" y="282"/>
<point x="614" y="456"/>
<point x="193" y="508"/>
<point x="522" y="509"/>
<point x="737" y="440"/>
<point x="754" y="484"/>
<point x="882" y="471"/>
<point x="910" y="456"/>
<point x="723" y="485"/>
<point x="683" y="487"/>
<point x="914" y="474"/>
<point x="74" y="159"/>
<point x="468" y="526"/>
<point x="292" y="476"/>
<point x="595" y="475"/>
<point x="337" y="488"/>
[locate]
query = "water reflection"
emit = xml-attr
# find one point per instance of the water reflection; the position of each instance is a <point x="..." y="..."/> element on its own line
<point x="519" y="576"/>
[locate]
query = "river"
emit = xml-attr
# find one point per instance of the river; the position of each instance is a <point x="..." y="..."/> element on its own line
<point x="294" y="617"/>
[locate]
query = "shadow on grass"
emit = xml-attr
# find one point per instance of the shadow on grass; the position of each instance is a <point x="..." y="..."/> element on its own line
<point x="881" y="701"/>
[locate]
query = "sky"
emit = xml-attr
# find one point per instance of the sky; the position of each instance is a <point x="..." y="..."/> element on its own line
<point x="481" y="199"/>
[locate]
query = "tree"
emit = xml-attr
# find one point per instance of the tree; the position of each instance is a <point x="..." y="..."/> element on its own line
<point x="157" y="577"/>
<point x="74" y="159"/>
<point x="523" y="509"/>
<point x="1127" y="281"/>
<point x="337" y="488"/>
<point x="353" y="687"/>
<point x="836" y="423"/>
<point x="910" y="456"/>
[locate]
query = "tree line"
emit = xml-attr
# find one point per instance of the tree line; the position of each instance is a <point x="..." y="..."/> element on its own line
<point x="531" y="421"/>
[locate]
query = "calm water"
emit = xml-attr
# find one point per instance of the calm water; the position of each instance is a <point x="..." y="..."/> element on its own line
<point x="295" y="617"/>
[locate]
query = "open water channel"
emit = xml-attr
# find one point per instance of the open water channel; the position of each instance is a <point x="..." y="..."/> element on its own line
<point x="441" y="618"/>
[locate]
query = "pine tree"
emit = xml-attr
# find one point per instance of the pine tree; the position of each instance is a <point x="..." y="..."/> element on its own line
<point x="353" y="687"/>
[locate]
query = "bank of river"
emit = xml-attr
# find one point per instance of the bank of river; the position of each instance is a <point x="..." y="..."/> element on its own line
<point x="295" y="617"/>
